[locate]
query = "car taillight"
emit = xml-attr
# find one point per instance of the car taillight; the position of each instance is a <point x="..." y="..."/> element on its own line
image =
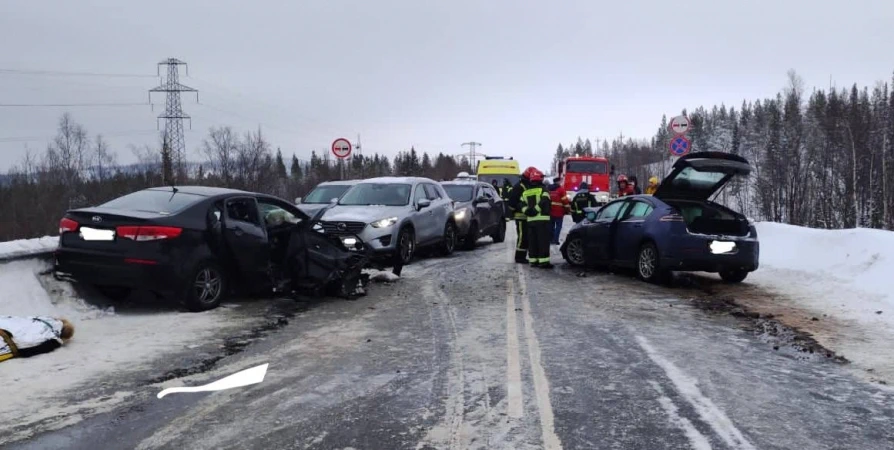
<point x="66" y="225"/>
<point x="672" y="218"/>
<point x="147" y="233"/>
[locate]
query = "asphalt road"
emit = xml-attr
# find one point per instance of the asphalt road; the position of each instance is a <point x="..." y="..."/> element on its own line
<point x="475" y="352"/>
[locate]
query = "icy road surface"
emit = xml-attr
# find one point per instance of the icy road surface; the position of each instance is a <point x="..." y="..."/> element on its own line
<point x="475" y="352"/>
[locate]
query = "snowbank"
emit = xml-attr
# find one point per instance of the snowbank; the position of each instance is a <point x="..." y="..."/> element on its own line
<point x="837" y="285"/>
<point x="26" y="247"/>
<point x="105" y="343"/>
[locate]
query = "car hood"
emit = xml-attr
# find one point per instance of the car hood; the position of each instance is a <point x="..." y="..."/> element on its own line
<point x="311" y="208"/>
<point x="366" y="214"/>
<point x="697" y="176"/>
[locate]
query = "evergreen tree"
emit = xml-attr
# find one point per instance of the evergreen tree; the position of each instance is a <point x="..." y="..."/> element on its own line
<point x="295" y="169"/>
<point x="280" y="166"/>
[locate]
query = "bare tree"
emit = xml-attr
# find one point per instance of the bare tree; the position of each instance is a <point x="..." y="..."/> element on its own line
<point x="222" y="147"/>
<point x="103" y="159"/>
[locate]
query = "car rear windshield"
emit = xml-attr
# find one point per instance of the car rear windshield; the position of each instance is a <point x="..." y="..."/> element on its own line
<point x="691" y="178"/>
<point x="597" y="167"/>
<point x="458" y="193"/>
<point x="162" y="202"/>
<point x="499" y="178"/>
<point x="390" y="194"/>
<point x="325" y="194"/>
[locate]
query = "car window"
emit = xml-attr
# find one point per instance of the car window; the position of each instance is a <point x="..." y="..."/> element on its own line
<point x="156" y="201"/>
<point x="325" y="194"/>
<point x="274" y="215"/>
<point x="386" y="194"/>
<point x="639" y="210"/>
<point x="419" y="194"/>
<point x="611" y="210"/>
<point x="431" y="192"/>
<point x="243" y="210"/>
<point x="459" y="192"/>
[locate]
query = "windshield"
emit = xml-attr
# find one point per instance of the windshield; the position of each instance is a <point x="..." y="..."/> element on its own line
<point x="597" y="167"/>
<point x="491" y="177"/>
<point x="163" y="202"/>
<point x="325" y="194"/>
<point x="392" y="194"/>
<point x="458" y="193"/>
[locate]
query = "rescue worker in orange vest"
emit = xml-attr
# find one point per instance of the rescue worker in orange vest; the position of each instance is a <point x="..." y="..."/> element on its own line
<point x="521" y="220"/>
<point x="559" y="207"/>
<point x="536" y="207"/>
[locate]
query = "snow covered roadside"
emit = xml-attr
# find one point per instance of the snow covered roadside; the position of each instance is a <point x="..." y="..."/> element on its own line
<point x="27" y="247"/>
<point x="842" y="278"/>
<point x="105" y="344"/>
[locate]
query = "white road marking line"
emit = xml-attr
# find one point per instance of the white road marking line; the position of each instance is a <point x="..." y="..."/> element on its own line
<point x="541" y="384"/>
<point x="242" y="378"/>
<point x="687" y="387"/>
<point x="696" y="438"/>
<point x="513" y="364"/>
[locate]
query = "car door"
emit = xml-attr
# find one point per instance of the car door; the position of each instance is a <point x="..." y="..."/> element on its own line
<point x="629" y="231"/>
<point x="600" y="233"/>
<point x="484" y="205"/>
<point x="441" y="208"/>
<point x="496" y="202"/>
<point x="245" y="236"/>
<point x="422" y="217"/>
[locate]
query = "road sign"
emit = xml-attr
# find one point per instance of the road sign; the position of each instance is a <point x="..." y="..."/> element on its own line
<point x="341" y="148"/>
<point x="679" y="125"/>
<point x="679" y="145"/>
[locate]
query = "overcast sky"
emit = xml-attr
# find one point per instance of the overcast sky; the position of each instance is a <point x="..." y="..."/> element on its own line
<point x="518" y="76"/>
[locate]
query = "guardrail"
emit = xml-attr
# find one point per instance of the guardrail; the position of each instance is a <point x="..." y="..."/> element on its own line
<point x="28" y="248"/>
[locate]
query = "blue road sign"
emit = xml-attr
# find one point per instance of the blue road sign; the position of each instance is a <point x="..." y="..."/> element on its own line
<point x="679" y="145"/>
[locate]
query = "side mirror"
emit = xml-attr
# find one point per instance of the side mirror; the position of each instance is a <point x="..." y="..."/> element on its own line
<point x="333" y="200"/>
<point x="591" y="216"/>
<point x="481" y="200"/>
<point x="424" y="203"/>
<point x="297" y="200"/>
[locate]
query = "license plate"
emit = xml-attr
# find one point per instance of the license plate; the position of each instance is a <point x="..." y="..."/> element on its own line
<point x="93" y="234"/>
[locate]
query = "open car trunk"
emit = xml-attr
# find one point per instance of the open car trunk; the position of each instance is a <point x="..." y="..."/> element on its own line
<point x="705" y="217"/>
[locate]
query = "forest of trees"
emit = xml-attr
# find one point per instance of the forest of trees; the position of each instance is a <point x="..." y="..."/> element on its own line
<point x="823" y="159"/>
<point x="78" y="170"/>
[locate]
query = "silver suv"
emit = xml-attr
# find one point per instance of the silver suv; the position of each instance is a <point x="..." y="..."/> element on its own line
<point x="394" y="217"/>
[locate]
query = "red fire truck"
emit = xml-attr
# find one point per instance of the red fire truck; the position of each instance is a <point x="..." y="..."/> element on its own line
<point x="594" y="170"/>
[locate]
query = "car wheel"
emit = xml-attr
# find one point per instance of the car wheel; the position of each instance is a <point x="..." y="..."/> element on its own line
<point x="116" y="293"/>
<point x="648" y="264"/>
<point x="574" y="252"/>
<point x="500" y="235"/>
<point x="406" y="247"/>
<point x="448" y="242"/>
<point x="471" y="238"/>
<point x="733" y="276"/>
<point x="207" y="287"/>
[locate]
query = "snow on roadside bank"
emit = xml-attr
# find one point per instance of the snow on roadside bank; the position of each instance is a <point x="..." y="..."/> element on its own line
<point x="833" y="282"/>
<point x="105" y="343"/>
<point x="26" y="247"/>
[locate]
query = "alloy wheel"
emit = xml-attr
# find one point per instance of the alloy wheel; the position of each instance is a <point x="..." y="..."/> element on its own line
<point x="208" y="285"/>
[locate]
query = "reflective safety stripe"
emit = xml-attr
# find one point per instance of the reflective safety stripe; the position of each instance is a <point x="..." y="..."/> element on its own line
<point x="556" y="203"/>
<point x="539" y="218"/>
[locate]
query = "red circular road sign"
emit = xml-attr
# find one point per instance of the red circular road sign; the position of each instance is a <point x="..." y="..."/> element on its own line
<point x="341" y="148"/>
<point x="679" y="125"/>
<point x="679" y="145"/>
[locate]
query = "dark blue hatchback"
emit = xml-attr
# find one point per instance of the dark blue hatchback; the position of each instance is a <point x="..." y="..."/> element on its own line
<point x="677" y="228"/>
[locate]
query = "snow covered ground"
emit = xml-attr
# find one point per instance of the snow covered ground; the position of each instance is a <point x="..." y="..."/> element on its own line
<point x="844" y="279"/>
<point x="26" y="247"/>
<point x="105" y="342"/>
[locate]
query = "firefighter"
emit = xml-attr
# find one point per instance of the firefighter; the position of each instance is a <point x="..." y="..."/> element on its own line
<point x="559" y="207"/>
<point x="515" y="208"/>
<point x="624" y="188"/>
<point x="634" y="183"/>
<point x="536" y="206"/>
<point x="653" y="186"/>
<point x="506" y="190"/>
<point x="581" y="200"/>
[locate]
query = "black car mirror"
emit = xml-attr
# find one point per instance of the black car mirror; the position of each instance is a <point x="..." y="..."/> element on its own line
<point x="424" y="203"/>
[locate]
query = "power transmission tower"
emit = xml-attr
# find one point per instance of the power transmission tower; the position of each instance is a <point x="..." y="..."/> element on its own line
<point x="472" y="155"/>
<point x="173" y="114"/>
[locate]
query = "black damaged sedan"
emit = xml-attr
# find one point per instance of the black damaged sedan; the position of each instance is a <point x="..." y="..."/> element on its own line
<point x="677" y="229"/>
<point x="196" y="244"/>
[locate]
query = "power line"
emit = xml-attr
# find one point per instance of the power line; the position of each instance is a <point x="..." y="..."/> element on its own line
<point x="67" y="105"/>
<point x="73" y="74"/>
<point x="105" y="135"/>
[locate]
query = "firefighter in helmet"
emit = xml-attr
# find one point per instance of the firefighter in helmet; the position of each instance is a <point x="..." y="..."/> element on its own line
<point x="624" y="187"/>
<point x="536" y="207"/>
<point x="515" y="208"/>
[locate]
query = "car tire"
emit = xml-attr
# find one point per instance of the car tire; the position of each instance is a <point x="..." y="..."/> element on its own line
<point x="500" y="235"/>
<point x="648" y="264"/>
<point x="575" y="253"/>
<point x="115" y="293"/>
<point x="472" y="238"/>
<point x="207" y="287"/>
<point x="733" y="276"/>
<point x="448" y="241"/>
<point x="405" y="247"/>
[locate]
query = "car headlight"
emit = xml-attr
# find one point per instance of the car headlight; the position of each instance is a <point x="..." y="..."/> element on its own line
<point x="384" y="222"/>
<point x="461" y="214"/>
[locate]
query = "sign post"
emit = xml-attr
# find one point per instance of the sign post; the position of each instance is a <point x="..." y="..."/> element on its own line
<point x="679" y="145"/>
<point x="341" y="148"/>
